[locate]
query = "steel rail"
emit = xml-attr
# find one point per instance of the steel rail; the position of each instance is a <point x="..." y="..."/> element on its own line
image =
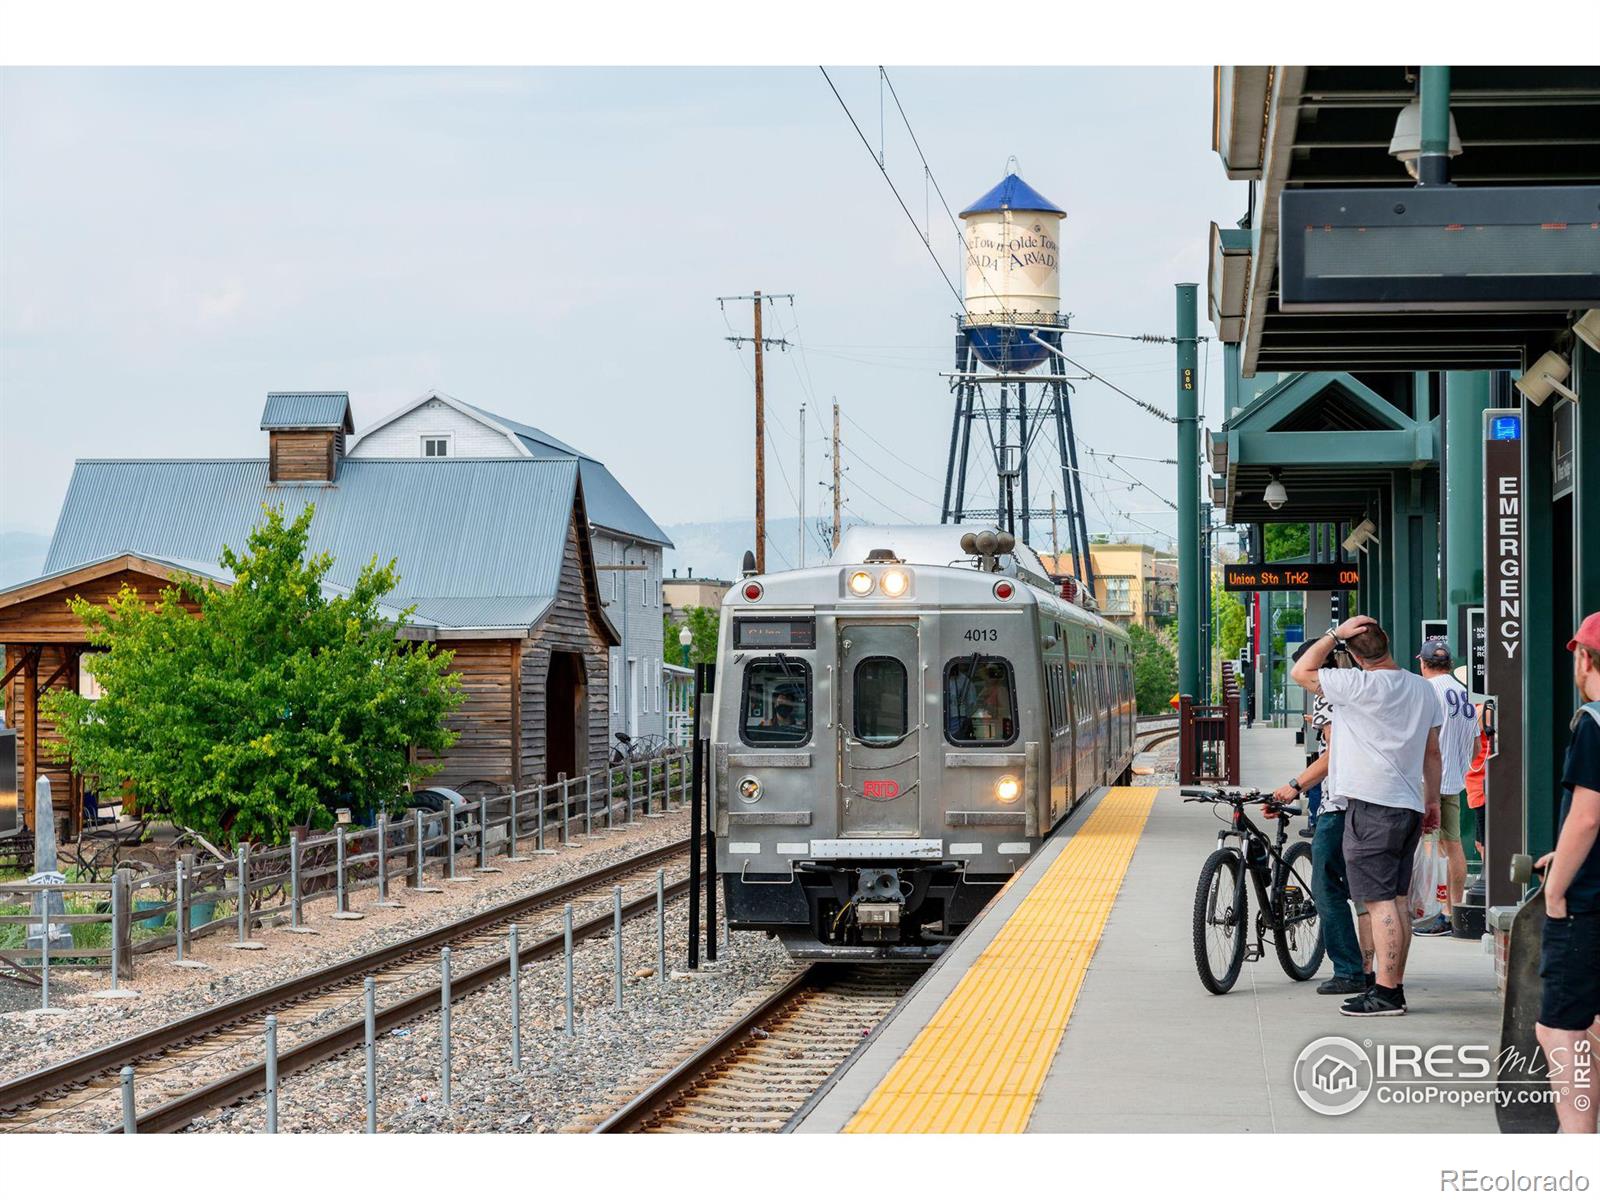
<point x="176" y="1114"/>
<point x="638" y="1112"/>
<point x="26" y="1090"/>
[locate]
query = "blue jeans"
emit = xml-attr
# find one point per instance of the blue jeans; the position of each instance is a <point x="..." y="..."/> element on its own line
<point x="1331" y="891"/>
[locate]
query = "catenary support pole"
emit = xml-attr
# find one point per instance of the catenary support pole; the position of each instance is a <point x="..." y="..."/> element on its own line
<point x="514" y="962"/>
<point x="444" y="1026"/>
<point x="616" y="937"/>
<point x="1190" y="579"/>
<point x="130" y="1114"/>
<point x="271" y="1058"/>
<point x="370" y="1041"/>
<point x="566" y="953"/>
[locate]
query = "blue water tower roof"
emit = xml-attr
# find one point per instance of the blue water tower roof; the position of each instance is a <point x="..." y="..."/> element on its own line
<point x="1011" y="192"/>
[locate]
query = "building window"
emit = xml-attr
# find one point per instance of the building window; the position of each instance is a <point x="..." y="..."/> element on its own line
<point x="436" y="445"/>
<point x="880" y="700"/>
<point x="616" y="682"/>
<point x="1119" y="594"/>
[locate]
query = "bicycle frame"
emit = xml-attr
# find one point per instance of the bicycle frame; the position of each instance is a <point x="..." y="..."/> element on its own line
<point x="1262" y="871"/>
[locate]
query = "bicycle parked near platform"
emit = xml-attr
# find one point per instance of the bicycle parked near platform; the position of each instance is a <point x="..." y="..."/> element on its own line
<point x="1282" y="883"/>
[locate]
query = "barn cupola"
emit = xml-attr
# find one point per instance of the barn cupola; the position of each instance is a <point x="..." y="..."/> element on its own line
<point x="306" y="432"/>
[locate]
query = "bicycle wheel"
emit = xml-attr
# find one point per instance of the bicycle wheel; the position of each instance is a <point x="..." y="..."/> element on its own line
<point x="1218" y="924"/>
<point x="1298" y="939"/>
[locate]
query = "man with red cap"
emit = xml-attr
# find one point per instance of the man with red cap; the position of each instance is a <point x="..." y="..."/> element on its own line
<point x="1569" y="963"/>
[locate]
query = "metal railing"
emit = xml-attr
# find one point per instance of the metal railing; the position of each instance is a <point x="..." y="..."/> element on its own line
<point x="133" y="915"/>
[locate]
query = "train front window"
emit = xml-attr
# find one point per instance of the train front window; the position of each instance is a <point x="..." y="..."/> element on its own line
<point x="880" y="701"/>
<point x="776" y="710"/>
<point x="980" y="702"/>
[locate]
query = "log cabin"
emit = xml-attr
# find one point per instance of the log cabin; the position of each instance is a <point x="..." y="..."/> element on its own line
<point x="494" y="558"/>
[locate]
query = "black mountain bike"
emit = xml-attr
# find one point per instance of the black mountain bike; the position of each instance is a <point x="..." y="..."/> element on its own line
<point x="1282" y="881"/>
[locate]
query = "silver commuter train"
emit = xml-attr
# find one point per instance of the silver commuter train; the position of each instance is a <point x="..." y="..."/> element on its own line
<point x="894" y="734"/>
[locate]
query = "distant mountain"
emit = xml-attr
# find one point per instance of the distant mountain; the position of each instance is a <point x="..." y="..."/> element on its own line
<point x="21" y="555"/>
<point x="715" y="549"/>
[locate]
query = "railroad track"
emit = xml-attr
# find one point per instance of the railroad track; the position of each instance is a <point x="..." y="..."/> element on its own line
<point x="760" y="1070"/>
<point x="30" y="1101"/>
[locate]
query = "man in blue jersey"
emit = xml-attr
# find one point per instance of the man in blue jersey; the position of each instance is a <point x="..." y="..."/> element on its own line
<point x="1456" y="742"/>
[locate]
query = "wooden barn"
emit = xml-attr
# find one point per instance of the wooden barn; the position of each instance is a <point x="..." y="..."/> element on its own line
<point x="494" y="555"/>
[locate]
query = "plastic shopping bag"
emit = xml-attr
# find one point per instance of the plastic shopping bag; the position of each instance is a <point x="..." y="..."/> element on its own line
<point x="1430" y="878"/>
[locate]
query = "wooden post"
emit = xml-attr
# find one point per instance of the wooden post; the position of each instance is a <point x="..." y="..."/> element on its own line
<point x="122" y="906"/>
<point x="30" y="733"/>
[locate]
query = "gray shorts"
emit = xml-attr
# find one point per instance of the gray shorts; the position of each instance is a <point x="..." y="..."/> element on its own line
<point x="1380" y="843"/>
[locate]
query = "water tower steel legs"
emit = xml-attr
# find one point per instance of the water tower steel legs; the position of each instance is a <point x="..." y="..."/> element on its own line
<point x="1076" y="520"/>
<point x="1022" y="467"/>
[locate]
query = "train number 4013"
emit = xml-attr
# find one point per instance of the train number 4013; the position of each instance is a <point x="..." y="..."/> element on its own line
<point x="982" y="635"/>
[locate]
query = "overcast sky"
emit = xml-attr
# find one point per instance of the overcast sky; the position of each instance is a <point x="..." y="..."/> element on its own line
<point x="549" y="244"/>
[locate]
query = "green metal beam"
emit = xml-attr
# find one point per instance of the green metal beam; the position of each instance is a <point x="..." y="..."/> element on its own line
<point x="1547" y="693"/>
<point x="1466" y="395"/>
<point x="1190" y="578"/>
<point x="1359" y="449"/>
<point x="1586" y="481"/>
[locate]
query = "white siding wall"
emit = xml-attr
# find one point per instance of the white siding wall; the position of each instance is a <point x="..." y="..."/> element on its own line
<point x="402" y="438"/>
<point x="640" y="593"/>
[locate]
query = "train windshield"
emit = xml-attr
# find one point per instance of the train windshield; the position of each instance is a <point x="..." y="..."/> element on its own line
<point x="880" y="700"/>
<point x="980" y="704"/>
<point x="777" y="702"/>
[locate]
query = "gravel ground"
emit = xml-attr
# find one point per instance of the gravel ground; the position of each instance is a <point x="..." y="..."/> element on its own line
<point x="566" y="1082"/>
<point x="167" y="992"/>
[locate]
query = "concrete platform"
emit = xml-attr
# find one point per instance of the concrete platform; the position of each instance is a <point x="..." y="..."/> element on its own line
<point x="1147" y="1049"/>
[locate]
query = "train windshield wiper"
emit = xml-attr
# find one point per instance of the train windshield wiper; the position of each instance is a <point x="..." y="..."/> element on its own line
<point x="967" y="684"/>
<point x="783" y="661"/>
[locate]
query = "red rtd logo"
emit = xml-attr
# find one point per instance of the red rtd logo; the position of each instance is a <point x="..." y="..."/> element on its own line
<point x="880" y="789"/>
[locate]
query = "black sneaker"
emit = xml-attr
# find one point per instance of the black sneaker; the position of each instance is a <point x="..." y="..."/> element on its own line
<point x="1373" y="1004"/>
<point x="1310" y="830"/>
<point x="1436" y="926"/>
<point x="1342" y="985"/>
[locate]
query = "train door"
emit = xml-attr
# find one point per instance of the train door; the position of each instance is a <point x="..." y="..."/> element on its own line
<point x="879" y="728"/>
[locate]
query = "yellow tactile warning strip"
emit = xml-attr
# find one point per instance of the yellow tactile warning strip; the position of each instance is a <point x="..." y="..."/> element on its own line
<point x="979" y="1064"/>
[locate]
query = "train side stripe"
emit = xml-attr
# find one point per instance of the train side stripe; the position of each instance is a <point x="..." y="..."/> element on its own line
<point x="981" y="1061"/>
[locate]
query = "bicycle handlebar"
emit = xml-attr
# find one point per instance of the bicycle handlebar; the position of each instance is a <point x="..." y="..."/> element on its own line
<point x="1238" y="796"/>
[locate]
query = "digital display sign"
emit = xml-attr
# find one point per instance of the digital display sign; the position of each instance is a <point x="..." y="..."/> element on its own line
<point x="774" y="633"/>
<point x="1291" y="577"/>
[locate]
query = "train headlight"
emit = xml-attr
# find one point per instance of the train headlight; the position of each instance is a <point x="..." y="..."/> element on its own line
<point x="749" y="789"/>
<point x="894" y="582"/>
<point x="1007" y="788"/>
<point x="860" y="583"/>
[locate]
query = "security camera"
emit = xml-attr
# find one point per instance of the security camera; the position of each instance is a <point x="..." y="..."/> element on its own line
<point x="1588" y="329"/>
<point x="1360" y="536"/>
<point x="1545" y="376"/>
<point x="1276" y="495"/>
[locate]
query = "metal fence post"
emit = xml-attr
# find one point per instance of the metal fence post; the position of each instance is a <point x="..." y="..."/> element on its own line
<point x="370" y="988"/>
<point x="628" y="767"/>
<point x="450" y="841"/>
<point x="516" y="1002"/>
<point x="566" y="812"/>
<point x="538" y="842"/>
<point x="343" y="911"/>
<point x="566" y="932"/>
<point x="444" y="1025"/>
<point x="661" y="928"/>
<point x="611" y="799"/>
<point x="44" y="957"/>
<point x="272" y="1074"/>
<point x="511" y="830"/>
<point x="483" y="838"/>
<point x="616" y="934"/>
<point x="383" y="900"/>
<point x="130" y="1115"/>
<point x="419" y="849"/>
<point x="588" y="805"/>
<point x="243" y="871"/>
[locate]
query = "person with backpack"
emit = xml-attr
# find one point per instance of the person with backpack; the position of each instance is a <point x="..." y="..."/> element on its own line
<point x="1569" y="962"/>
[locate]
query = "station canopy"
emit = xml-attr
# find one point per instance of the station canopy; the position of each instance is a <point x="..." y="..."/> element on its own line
<point x="1291" y="128"/>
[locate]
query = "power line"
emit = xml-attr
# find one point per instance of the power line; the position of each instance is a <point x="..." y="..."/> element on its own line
<point x="882" y="170"/>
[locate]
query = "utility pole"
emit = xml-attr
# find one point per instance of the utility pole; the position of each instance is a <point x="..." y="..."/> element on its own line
<point x="801" y="499"/>
<point x="836" y="473"/>
<point x="761" y="343"/>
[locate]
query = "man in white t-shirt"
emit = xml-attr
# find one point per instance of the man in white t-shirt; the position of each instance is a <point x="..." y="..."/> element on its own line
<point x="1458" y="738"/>
<point x="1385" y="761"/>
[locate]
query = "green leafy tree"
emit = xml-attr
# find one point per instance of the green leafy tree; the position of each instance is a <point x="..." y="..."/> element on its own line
<point x="1155" y="670"/>
<point x="704" y="623"/>
<point x="242" y="711"/>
